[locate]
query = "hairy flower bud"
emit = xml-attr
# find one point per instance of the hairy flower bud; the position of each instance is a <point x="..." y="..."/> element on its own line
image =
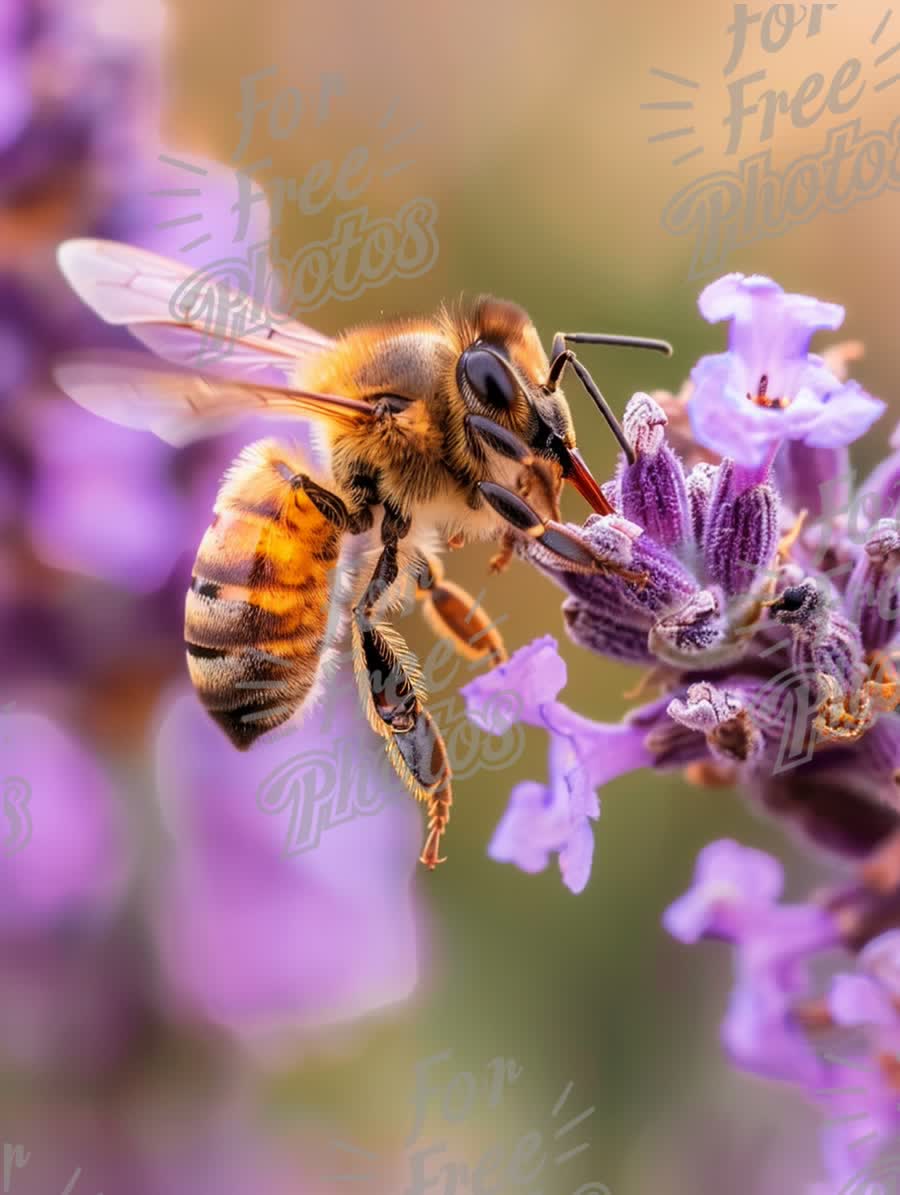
<point x="589" y="627"/>
<point x="666" y="581"/>
<point x="653" y="491"/>
<point x="700" y="483"/>
<point x="694" y="635"/>
<point x="741" y="531"/>
<point x="873" y="591"/>
<point x="823" y="639"/>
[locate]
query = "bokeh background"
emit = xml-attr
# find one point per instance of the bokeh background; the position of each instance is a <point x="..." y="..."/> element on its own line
<point x="181" y="1007"/>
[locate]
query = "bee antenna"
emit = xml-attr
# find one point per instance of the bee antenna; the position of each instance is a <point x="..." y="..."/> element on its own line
<point x="603" y="407"/>
<point x="626" y="342"/>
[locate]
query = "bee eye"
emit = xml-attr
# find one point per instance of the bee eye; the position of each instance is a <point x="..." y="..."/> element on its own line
<point x="486" y="376"/>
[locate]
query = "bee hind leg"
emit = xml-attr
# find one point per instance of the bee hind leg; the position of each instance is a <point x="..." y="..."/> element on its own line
<point x="454" y="614"/>
<point x="392" y="695"/>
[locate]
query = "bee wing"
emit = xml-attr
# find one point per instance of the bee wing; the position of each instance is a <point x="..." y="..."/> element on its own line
<point x="187" y="317"/>
<point x="179" y="407"/>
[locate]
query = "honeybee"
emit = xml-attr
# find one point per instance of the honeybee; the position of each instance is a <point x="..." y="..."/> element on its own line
<point x="438" y="431"/>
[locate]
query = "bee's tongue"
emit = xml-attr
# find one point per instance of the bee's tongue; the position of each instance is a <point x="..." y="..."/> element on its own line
<point x="584" y="482"/>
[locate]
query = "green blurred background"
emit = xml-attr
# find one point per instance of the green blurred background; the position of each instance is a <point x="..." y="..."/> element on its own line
<point x="528" y="134"/>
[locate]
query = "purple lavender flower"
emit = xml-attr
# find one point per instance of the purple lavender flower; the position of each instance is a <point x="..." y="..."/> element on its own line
<point x="734" y="898"/>
<point x="774" y="643"/>
<point x="261" y="926"/>
<point x="777" y="1025"/>
<point x="766" y="659"/>
<point x="552" y="819"/>
<point x="734" y="887"/>
<point x="768" y="388"/>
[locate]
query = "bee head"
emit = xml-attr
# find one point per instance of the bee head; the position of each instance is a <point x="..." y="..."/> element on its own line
<point x="492" y="387"/>
<point x="503" y="374"/>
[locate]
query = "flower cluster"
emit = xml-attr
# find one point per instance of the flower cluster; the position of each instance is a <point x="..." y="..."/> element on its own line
<point x="781" y="1024"/>
<point x="768" y="636"/>
<point x="764" y="612"/>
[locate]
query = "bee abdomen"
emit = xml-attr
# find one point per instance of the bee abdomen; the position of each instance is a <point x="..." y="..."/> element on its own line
<point x="256" y="614"/>
<point x="249" y="690"/>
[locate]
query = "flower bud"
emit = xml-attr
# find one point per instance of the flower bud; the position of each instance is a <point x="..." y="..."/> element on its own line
<point x="653" y="491"/>
<point x="741" y="532"/>
<point x="873" y="591"/>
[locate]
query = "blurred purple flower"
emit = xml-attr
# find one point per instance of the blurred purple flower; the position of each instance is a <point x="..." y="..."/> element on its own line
<point x="77" y="101"/>
<point x="72" y="867"/>
<point x="104" y="501"/>
<point x="15" y="98"/>
<point x="734" y="886"/>
<point x="189" y="1143"/>
<point x="768" y="387"/>
<point x="85" y="160"/>
<point x="65" y="985"/>
<point x="254" y="937"/>
<point x="734" y="897"/>
<point x="863" y="1091"/>
<point x="775" y="1021"/>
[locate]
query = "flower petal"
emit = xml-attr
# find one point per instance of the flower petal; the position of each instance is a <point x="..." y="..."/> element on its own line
<point x="846" y="416"/>
<point x="516" y="690"/>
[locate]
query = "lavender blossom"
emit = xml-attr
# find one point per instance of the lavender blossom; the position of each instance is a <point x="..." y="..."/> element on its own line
<point x="552" y="819"/>
<point x="766" y="659"/>
<point x="780" y="1022"/>
<point x="768" y="388"/>
<point x="734" y="898"/>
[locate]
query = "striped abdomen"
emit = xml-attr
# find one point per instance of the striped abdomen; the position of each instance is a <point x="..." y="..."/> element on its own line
<point x="256" y="615"/>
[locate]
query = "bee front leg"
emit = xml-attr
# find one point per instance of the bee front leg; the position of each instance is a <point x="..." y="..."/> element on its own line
<point x="453" y="613"/>
<point x="559" y="543"/>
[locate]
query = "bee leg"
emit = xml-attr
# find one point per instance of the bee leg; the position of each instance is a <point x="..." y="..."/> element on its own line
<point x="396" y="712"/>
<point x="501" y="439"/>
<point x="330" y="505"/>
<point x="557" y="541"/>
<point x="394" y="527"/>
<point x="500" y="561"/>
<point x="392" y="695"/>
<point x="454" y="614"/>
